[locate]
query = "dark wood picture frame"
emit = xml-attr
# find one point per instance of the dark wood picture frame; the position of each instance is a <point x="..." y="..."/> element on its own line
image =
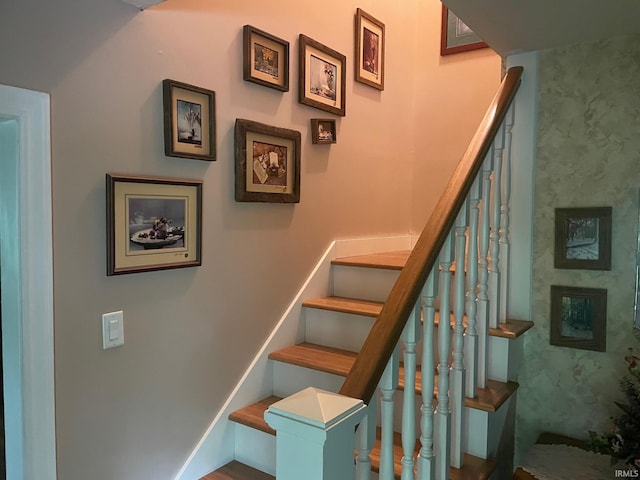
<point x="267" y="163"/>
<point x="265" y="59"/>
<point x="322" y="76"/>
<point x="456" y="36"/>
<point x="323" y="131"/>
<point x="370" y="46"/>
<point x="153" y="223"/>
<point x="579" y="317"/>
<point x="583" y="238"/>
<point x="189" y="121"/>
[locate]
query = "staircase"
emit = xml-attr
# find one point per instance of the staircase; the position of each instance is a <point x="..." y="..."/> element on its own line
<point x="335" y="328"/>
<point x="417" y="342"/>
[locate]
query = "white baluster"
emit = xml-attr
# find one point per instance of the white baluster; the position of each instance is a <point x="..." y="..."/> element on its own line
<point x="388" y="386"/>
<point x="443" y="414"/>
<point x="483" y="273"/>
<point x="471" y="338"/>
<point x="494" y="257"/>
<point x="505" y="211"/>
<point x="457" y="367"/>
<point x="426" y="459"/>
<point x="410" y="337"/>
<point x="366" y="439"/>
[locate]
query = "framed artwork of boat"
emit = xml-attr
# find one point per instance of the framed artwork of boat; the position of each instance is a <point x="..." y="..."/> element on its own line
<point x="153" y="223"/>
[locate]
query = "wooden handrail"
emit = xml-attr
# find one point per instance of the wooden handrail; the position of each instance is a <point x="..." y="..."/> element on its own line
<point x="385" y="333"/>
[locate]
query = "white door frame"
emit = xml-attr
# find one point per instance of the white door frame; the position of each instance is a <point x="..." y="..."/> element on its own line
<point x="27" y="314"/>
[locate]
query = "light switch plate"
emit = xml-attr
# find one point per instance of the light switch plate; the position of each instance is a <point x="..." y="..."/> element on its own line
<point x="112" y="329"/>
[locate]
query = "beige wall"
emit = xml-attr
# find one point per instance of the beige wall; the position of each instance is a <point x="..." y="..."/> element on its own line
<point x="136" y="412"/>
<point x="588" y="146"/>
<point x="452" y="95"/>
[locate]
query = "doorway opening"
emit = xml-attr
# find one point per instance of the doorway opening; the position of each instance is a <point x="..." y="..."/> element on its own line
<point x="26" y="284"/>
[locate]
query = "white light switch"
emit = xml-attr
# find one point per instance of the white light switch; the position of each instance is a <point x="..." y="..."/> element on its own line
<point x="112" y="329"/>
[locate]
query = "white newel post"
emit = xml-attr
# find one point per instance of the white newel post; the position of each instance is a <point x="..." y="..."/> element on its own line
<point x="315" y="435"/>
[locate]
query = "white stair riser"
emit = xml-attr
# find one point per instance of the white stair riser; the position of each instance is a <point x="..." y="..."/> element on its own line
<point x="255" y="448"/>
<point x="505" y="358"/>
<point x="289" y="379"/>
<point x="363" y="283"/>
<point x="335" y="329"/>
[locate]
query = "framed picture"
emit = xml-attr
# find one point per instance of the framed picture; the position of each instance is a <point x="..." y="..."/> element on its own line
<point x="323" y="130"/>
<point x="322" y="82"/>
<point x="579" y="317"/>
<point x="153" y="223"/>
<point x="265" y="59"/>
<point x="267" y="163"/>
<point x="456" y="36"/>
<point x="189" y="121"/>
<point x="370" y="43"/>
<point x="583" y="238"/>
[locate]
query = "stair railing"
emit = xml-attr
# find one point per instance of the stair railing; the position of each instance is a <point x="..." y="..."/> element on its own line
<point x="468" y="229"/>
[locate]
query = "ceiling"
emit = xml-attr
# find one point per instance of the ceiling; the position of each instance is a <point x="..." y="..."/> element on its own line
<point x="513" y="26"/>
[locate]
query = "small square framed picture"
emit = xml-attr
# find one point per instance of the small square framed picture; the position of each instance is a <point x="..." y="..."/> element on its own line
<point x="265" y="59"/>
<point x="189" y="121"/>
<point x="267" y="162"/>
<point x="322" y="82"/>
<point x="323" y="130"/>
<point x="370" y="43"/>
<point x="579" y="317"/>
<point x="583" y="238"/>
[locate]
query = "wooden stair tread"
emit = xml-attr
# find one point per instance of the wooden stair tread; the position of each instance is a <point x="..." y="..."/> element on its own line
<point x="317" y="357"/>
<point x="473" y="468"/>
<point x="253" y="415"/>
<point x="339" y="362"/>
<point x="386" y="260"/>
<point x="511" y="329"/>
<point x="235" y="470"/>
<point x="488" y="399"/>
<point x="346" y="305"/>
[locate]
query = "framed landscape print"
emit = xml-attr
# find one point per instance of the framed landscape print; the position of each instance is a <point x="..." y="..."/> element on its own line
<point x="267" y="163"/>
<point x="370" y="43"/>
<point x="153" y="223"/>
<point x="579" y="317"/>
<point x="189" y="121"/>
<point x="322" y="82"/>
<point x="456" y="36"/>
<point x="265" y="59"/>
<point x="583" y="238"/>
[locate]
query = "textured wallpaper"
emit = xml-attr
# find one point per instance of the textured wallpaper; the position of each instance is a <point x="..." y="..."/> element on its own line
<point x="588" y="155"/>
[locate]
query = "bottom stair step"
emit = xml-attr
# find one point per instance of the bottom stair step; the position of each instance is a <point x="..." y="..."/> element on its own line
<point x="237" y="471"/>
<point x="253" y="416"/>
